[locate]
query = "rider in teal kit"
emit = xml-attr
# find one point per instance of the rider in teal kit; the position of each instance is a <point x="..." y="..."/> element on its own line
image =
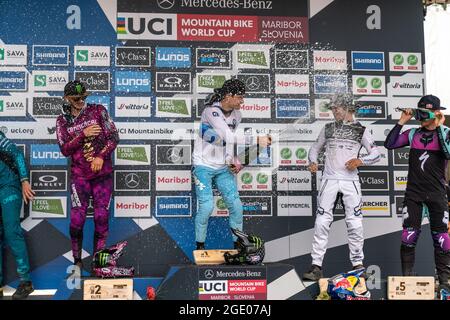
<point x="14" y="186"/>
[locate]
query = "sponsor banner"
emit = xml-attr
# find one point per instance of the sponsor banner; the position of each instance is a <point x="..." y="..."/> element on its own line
<point x="291" y="84"/>
<point x="95" y="80"/>
<point x="400" y="180"/>
<point x="252" y="57"/>
<point x="133" y="107"/>
<point x="207" y="82"/>
<point x="25" y="130"/>
<point x="291" y="59"/>
<point x="320" y="107"/>
<point x="173" y="82"/>
<point x="256" y="108"/>
<point x="330" y="60"/>
<point x="369" y="85"/>
<point x="189" y="130"/>
<point x="47" y="107"/>
<point x="292" y="108"/>
<point x="173" y="57"/>
<point x="132" y="207"/>
<point x="89" y="56"/>
<point x="13" y="55"/>
<point x="213" y="58"/>
<point x="207" y="27"/>
<point x="132" y="155"/>
<point x="146" y="26"/>
<point x="405" y="61"/>
<point x="379" y="132"/>
<point x="294" y="180"/>
<point x="50" y="55"/>
<point x="407" y="85"/>
<point x="46" y="180"/>
<point x="137" y="180"/>
<point x="133" y="56"/>
<point x="371" y="110"/>
<point x="330" y="84"/>
<point x="367" y="61"/>
<point x="403" y="102"/>
<point x="401" y="156"/>
<point x="173" y="107"/>
<point x="399" y="206"/>
<point x="254" y="179"/>
<point x="173" y="180"/>
<point x="260" y="206"/>
<point x="47" y="155"/>
<point x="374" y="180"/>
<point x="48" y="207"/>
<point x="283" y="29"/>
<point x="383" y="155"/>
<point x="376" y="206"/>
<point x="133" y="81"/>
<point x="49" y="80"/>
<point x="255" y="83"/>
<point x="293" y="154"/>
<point x="103" y="100"/>
<point x="232" y="283"/>
<point x="13" y="106"/>
<point x="294" y="206"/>
<point x="173" y="207"/>
<point x="173" y="155"/>
<point x="13" y="80"/>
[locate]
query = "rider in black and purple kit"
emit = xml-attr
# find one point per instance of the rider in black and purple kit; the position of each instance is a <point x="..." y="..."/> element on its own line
<point x="429" y="152"/>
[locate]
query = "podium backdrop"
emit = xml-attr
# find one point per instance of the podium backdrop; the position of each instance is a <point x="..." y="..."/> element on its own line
<point x="151" y="63"/>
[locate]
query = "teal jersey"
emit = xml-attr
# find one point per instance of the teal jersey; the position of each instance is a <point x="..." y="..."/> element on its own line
<point x="13" y="168"/>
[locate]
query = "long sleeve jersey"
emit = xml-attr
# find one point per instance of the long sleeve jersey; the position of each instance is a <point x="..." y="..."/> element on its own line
<point x="428" y="155"/>
<point x="215" y="144"/>
<point x="342" y="142"/>
<point x="13" y="168"/>
<point x="73" y="143"/>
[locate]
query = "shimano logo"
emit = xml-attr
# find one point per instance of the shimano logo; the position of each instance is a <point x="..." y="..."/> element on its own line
<point x="357" y="60"/>
<point x="174" y="206"/>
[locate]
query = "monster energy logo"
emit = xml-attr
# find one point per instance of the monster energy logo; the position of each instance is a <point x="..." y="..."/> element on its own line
<point x="103" y="258"/>
<point x="257" y="241"/>
<point x="78" y="88"/>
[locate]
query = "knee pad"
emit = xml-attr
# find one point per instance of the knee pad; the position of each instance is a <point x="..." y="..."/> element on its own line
<point x="441" y="240"/>
<point x="410" y="237"/>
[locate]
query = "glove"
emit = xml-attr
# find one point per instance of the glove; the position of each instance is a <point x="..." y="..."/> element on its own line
<point x="235" y="165"/>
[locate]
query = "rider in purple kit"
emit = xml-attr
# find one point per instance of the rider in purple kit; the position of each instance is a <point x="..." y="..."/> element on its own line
<point x="88" y="136"/>
<point x="428" y="156"/>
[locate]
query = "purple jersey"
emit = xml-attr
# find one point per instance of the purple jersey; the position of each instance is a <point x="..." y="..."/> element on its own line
<point x="81" y="149"/>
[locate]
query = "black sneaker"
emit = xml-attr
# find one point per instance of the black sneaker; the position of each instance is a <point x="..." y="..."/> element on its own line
<point x="364" y="274"/>
<point x="200" y="246"/>
<point x="24" y="289"/>
<point x="314" y="274"/>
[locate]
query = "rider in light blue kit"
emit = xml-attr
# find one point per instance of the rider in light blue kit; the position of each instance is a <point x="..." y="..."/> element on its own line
<point x="214" y="153"/>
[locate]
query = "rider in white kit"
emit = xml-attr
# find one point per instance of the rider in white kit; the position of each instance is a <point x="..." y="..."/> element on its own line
<point x="343" y="140"/>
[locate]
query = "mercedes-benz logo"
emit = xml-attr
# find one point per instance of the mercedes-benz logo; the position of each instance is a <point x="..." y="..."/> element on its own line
<point x="292" y="59"/>
<point x="209" y="274"/>
<point x="166" y="4"/>
<point x="173" y="80"/>
<point x="132" y="180"/>
<point x="252" y="83"/>
<point x="174" y="154"/>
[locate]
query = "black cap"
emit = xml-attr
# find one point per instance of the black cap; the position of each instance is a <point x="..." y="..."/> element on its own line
<point x="75" y="88"/>
<point x="430" y="102"/>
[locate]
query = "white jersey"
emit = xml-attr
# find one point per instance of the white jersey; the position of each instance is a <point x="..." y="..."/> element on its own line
<point x="343" y="143"/>
<point x="215" y="144"/>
